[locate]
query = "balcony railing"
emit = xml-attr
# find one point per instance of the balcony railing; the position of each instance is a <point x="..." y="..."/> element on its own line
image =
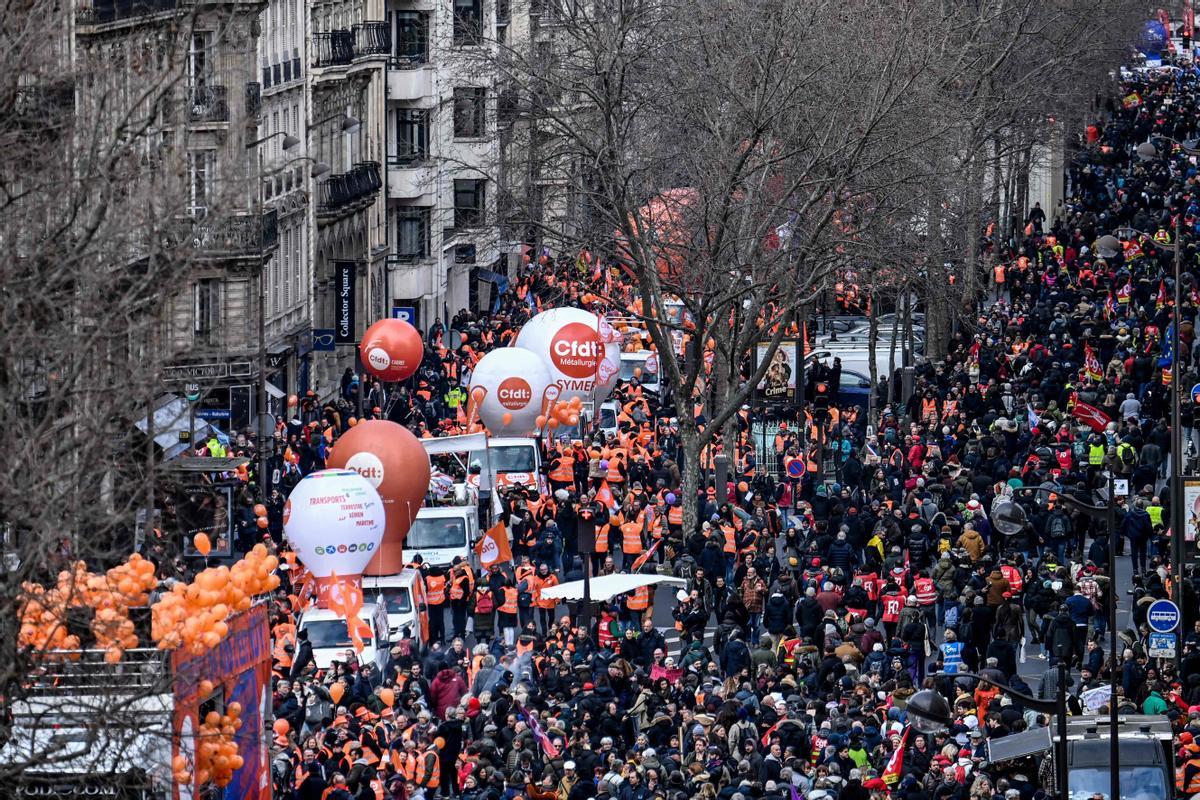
<point x="342" y="190"/>
<point x="207" y="104"/>
<point x="253" y="98"/>
<point x="240" y="235"/>
<point x="372" y="39"/>
<point x="333" y="48"/>
<point x="100" y="12"/>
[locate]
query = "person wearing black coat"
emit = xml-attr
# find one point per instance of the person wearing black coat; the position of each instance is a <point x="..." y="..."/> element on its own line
<point x="736" y="655"/>
<point x="777" y="613"/>
<point x="809" y="614"/>
<point x="303" y="656"/>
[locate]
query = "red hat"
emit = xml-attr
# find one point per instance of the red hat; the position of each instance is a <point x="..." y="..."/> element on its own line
<point x="816" y="562"/>
<point x="587" y="687"/>
<point x="1008" y="595"/>
<point x="1186" y="738"/>
<point x="474" y="707"/>
<point x="964" y="753"/>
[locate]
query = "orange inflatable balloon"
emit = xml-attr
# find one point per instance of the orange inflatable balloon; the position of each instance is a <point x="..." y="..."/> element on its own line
<point x="507" y="418"/>
<point x="395" y="463"/>
<point x="387" y="696"/>
<point x="202" y="543"/>
<point x="281" y="727"/>
<point x="392" y="350"/>
<point x="336" y="691"/>
<point x="260" y="510"/>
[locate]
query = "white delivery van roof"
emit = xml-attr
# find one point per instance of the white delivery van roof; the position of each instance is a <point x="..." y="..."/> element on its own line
<point x="508" y="441"/>
<point x="445" y="512"/>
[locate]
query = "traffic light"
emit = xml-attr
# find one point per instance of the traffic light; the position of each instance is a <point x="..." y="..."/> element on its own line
<point x="821" y="399"/>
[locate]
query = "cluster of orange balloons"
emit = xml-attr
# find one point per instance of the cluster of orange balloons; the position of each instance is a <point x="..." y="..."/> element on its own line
<point x="260" y="512"/>
<point x="111" y="595"/>
<point x="194" y="614"/>
<point x="561" y="412"/>
<point x="216" y="751"/>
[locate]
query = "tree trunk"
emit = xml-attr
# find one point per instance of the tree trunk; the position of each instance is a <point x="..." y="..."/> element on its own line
<point x="689" y="440"/>
<point x="872" y="348"/>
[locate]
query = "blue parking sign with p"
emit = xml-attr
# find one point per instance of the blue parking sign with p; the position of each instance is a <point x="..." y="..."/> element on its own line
<point x="406" y="313"/>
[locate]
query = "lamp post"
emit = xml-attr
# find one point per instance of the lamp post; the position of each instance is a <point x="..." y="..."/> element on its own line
<point x="1148" y="151"/>
<point x="929" y="712"/>
<point x="1014" y="520"/>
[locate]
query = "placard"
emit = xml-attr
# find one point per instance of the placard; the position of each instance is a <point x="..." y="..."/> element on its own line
<point x="344" y="273"/>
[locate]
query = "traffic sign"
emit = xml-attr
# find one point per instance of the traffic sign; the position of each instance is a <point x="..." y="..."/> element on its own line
<point x="1196" y="393"/>
<point x="795" y="468"/>
<point x="1162" y="616"/>
<point x="192" y="392"/>
<point x="1161" y="645"/>
<point x="406" y="313"/>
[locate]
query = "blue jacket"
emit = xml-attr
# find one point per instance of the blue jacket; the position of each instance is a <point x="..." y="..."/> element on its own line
<point x="1136" y="525"/>
<point x="735" y="657"/>
<point x="1080" y="609"/>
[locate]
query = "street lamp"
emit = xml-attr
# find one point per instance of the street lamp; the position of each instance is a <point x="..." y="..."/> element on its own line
<point x="1191" y="147"/>
<point x="1108" y="514"/>
<point x="929" y="712"/>
<point x="349" y="124"/>
<point x="1009" y="518"/>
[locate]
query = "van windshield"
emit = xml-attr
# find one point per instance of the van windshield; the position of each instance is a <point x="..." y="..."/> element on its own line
<point x="327" y="633"/>
<point x="396" y="598"/>
<point x="436" y="532"/>
<point x="608" y="417"/>
<point x="631" y="369"/>
<point x="1137" y="783"/>
<point x="508" y="458"/>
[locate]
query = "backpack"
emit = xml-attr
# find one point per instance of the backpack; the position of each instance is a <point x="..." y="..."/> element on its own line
<point x="485" y="603"/>
<point x="1058" y="528"/>
<point x="1128" y="456"/>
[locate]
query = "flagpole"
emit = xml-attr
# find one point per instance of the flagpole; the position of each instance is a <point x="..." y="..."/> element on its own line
<point x="1177" y="469"/>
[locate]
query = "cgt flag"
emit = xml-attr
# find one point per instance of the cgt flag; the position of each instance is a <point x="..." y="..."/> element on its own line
<point x="493" y="547"/>
<point x="1091" y="416"/>
<point x="895" y="764"/>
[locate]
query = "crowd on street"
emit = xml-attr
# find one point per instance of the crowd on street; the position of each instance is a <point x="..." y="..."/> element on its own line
<point x="813" y="608"/>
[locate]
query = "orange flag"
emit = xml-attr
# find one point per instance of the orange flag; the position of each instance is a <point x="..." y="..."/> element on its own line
<point x="345" y="597"/>
<point x="493" y="547"/>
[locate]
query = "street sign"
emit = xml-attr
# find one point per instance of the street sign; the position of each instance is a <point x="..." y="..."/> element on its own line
<point x="1196" y="393"/>
<point x="323" y="340"/>
<point x="1121" y="487"/>
<point x="795" y="468"/>
<point x="1162" y="616"/>
<point x="406" y="313"/>
<point x="192" y="392"/>
<point x="1161" y="645"/>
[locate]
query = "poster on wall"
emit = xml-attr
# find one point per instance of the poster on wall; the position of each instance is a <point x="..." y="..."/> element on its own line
<point x="344" y="273"/>
<point x="779" y="381"/>
<point x="1191" y="514"/>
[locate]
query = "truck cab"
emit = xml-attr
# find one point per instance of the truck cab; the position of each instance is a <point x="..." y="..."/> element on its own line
<point x="514" y="461"/>
<point x="642" y="365"/>
<point x="403" y="598"/>
<point x="441" y="533"/>
<point x="330" y="637"/>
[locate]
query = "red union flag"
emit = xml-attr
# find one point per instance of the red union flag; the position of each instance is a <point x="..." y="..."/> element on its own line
<point x="1091" y="416"/>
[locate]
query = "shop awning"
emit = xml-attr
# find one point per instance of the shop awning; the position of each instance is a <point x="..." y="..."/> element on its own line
<point x="605" y="587"/>
<point x="207" y="464"/>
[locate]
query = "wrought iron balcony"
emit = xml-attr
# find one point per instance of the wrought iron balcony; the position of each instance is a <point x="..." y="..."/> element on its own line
<point x="345" y="189"/>
<point x="372" y="39"/>
<point x="233" y="236"/>
<point x="253" y="99"/>
<point x="101" y="12"/>
<point x="207" y="104"/>
<point x="333" y="48"/>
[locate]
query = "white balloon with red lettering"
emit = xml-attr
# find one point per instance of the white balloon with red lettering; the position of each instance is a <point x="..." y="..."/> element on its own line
<point x="334" y="520"/>
<point x="578" y="348"/>
<point x="514" y="380"/>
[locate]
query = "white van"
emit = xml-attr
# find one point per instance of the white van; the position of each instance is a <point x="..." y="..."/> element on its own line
<point x="642" y="365"/>
<point x="606" y="423"/>
<point x="330" y="638"/>
<point x="403" y="598"/>
<point x="440" y="533"/>
<point x="514" y="460"/>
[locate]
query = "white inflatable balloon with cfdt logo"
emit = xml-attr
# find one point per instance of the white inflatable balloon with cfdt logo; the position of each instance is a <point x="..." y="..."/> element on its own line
<point x="334" y="520"/>
<point x="576" y="347"/>
<point x="514" y="380"/>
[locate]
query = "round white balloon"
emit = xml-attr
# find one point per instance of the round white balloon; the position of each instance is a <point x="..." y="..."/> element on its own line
<point x="515" y="380"/>
<point x="334" y="520"/>
<point x="577" y="348"/>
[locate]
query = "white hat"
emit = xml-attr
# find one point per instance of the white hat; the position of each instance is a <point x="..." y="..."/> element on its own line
<point x="568" y="765"/>
<point x="681" y="595"/>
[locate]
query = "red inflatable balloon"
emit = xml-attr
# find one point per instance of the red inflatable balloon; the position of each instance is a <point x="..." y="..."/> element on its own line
<point x="395" y="463"/>
<point x="391" y="350"/>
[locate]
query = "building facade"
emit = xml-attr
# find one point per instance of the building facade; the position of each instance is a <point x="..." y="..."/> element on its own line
<point x="443" y="156"/>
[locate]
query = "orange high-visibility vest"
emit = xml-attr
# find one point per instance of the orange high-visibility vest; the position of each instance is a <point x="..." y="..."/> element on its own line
<point x="435" y="590"/>
<point x="730" y="538"/>
<point x="640" y="599"/>
<point x="547" y="603"/>
<point x="631" y="543"/>
<point x="565" y="471"/>
<point x="614" y="468"/>
<point x="675" y="515"/>
<point x="509" y="606"/>
<point x="602" y="538"/>
<point x="427" y="771"/>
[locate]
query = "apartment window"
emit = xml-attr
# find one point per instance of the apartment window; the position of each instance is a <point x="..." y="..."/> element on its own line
<point x="200" y="60"/>
<point x="411" y="39"/>
<point x="468" y="203"/>
<point x="208" y="309"/>
<point x="412" y="135"/>
<point x="503" y="12"/>
<point x="412" y="233"/>
<point x="200" y="168"/>
<point x="468" y="21"/>
<point x="469" y="112"/>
